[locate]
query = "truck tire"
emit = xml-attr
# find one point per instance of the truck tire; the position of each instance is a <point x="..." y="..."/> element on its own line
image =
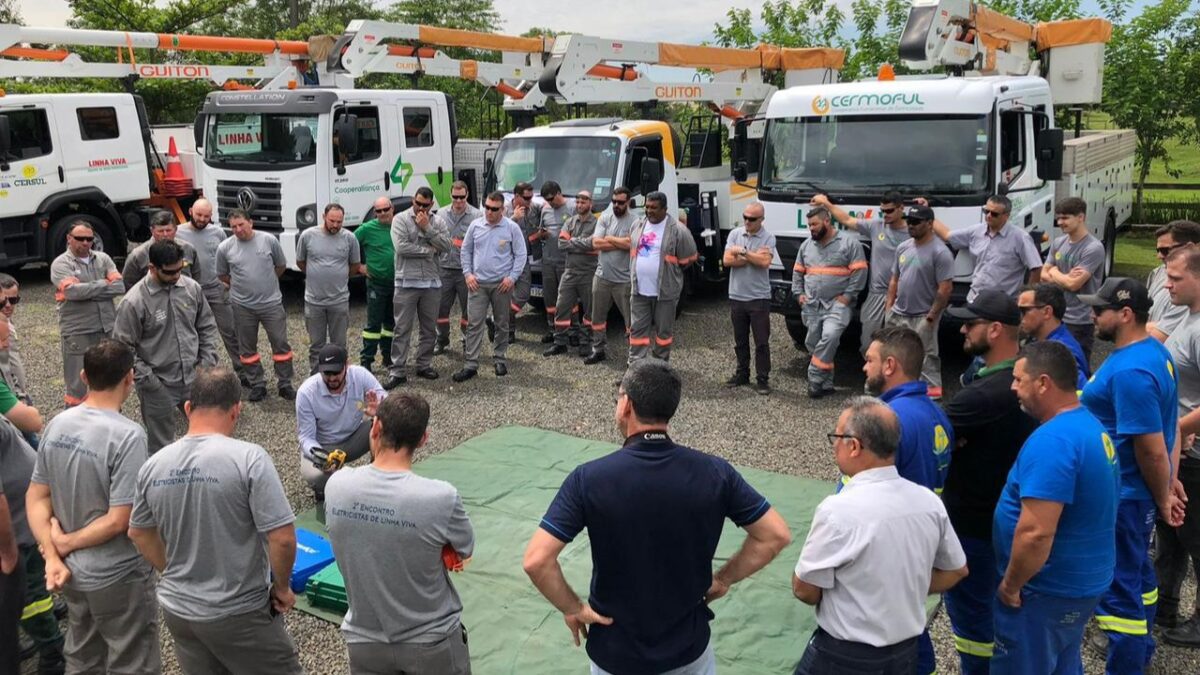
<point x="105" y="241"/>
<point x="1110" y="242"/>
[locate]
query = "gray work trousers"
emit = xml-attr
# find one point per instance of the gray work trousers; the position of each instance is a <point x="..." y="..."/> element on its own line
<point x="825" y="320"/>
<point x="604" y="294"/>
<point x="552" y="274"/>
<point x="651" y="320"/>
<point x="520" y="295"/>
<point x="73" y="349"/>
<point x="931" y="368"/>
<point x="487" y="297"/>
<point x="326" y="324"/>
<point x="872" y="318"/>
<point x="356" y="445"/>
<point x="454" y="288"/>
<point x="254" y="643"/>
<point x="575" y="288"/>
<point x="222" y="311"/>
<point x="113" y="629"/>
<point x="419" y="306"/>
<point x="162" y="410"/>
<point x="274" y="320"/>
<point x="447" y="656"/>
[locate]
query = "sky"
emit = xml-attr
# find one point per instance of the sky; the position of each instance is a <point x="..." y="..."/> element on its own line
<point x="648" y="20"/>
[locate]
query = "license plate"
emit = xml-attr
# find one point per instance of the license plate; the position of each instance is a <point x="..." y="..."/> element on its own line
<point x="535" y="292"/>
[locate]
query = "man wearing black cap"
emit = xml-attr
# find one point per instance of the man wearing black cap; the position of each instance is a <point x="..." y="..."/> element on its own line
<point x="922" y="277"/>
<point x="990" y="428"/>
<point x="334" y="410"/>
<point x="1134" y="395"/>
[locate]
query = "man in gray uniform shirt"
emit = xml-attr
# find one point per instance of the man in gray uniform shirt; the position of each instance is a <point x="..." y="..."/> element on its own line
<point x="554" y="261"/>
<point x="85" y="283"/>
<point x="1075" y="263"/>
<point x="211" y="516"/>
<point x="162" y="228"/>
<point x="575" y="286"/>
<point x="1003" y="255"/>
<point x="493" y="254"/>
<point x="529" y="215"/>
<point x="405" y="615"/>
<point x="79" y="503"/>
<point x="611" y="284"/>
<point x="205" y="238"/>
<point x="249" y="264"/>
<point x="1165" y="315"/>
<point x="456" y="219"/>
<point x="328" y="256"/>
<point x="922" y="278"/>
<point x="420" y="239"/>
<point x="749" y="250"/>
<point x="165" y="319"/>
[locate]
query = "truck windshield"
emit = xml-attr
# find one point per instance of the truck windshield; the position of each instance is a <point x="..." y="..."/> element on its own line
<point x="574" y="163"/>
<point x="261" y="138"/>
<point x="943" y="154"/>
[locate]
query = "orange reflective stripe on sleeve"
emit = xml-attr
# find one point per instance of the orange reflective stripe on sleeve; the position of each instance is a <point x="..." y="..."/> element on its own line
<point x="830" y="271"/>
<point x="513" y="306"/>
<point x="799" y="269"/>
<point x="672" y="260"/>
<point x="60" y="294"/>
<point x="821" y="364"/>
<point x="462" y="323"/>
<point x="534" y="237"/>
<point x="281" y="358"/>
<point x="249" y="360"/>
<point x="71" y="400"/>
<point x="457" y="243"/>
<point x="690" y="259"/>
<point x="564" y="235"/>
<point x="113" y="276"/>
<point x="858" y="265"/>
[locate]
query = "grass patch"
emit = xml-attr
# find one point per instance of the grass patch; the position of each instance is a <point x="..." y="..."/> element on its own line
<point x="1135" y="256"/>
<point x="1185" y="158"/>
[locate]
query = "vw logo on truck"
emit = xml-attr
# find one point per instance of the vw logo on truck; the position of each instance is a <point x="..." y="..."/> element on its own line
<point x="246" y="199"/>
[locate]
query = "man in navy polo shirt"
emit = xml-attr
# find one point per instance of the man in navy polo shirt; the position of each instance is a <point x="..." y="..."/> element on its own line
<point x="649" y="502"/>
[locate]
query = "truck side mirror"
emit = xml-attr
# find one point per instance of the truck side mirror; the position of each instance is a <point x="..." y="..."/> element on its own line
<point x="1048" y="149"/>
<point x="741" y="172"/>
<point x="198" y="129"/>
<point x="651" y="175"/>
<point x="5" y="141"/>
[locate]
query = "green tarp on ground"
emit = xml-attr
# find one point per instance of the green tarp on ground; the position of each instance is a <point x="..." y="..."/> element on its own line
<point x="507" y="478"/>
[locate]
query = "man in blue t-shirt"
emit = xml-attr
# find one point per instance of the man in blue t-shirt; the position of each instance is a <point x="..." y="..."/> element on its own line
<point x="654" y="512"/>
<point x="1055" y="523"/>
<point x="1042" y="310"/>
<point x="1134" y="396"/>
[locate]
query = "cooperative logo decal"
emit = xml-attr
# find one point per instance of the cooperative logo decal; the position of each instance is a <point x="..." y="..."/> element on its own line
<point x="820" y="105"/>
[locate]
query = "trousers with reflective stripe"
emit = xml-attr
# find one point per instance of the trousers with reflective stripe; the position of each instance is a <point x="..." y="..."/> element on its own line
<point x="969" y="605"/>
<point x="37" y="614"/>
<point x="1126" y="612"/>
<point x="825" y="321"/>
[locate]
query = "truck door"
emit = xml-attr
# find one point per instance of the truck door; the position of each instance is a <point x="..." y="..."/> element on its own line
<point x="425" y="150"/>
<point x="31" y="171"/>
<point x="649" y="148"/>
<point x="362" y="175"/>
<point x="1032" y="198"/>
<point x="107" y="152"/>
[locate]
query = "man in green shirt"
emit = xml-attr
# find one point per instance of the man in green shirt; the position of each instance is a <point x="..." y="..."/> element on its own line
<point x="375" y="240"/>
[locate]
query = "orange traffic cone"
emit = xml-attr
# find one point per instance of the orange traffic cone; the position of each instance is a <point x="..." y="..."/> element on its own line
<point x="175" y="184"/>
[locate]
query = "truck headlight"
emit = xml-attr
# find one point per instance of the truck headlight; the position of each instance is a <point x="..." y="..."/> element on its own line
<point x="306" y="216"/>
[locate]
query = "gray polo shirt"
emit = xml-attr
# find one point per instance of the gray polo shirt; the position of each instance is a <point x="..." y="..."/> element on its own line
<point x="90" y="460"/>
<point x="16" y="467"/>
<point x="1184" y="345"/>
<point x="884" y="242"/>
<point x="1165" y="316"/>
<point x="327" y="259"/>
<point x="920" y="269"/>
<point x="205" y="242"/>
<point x="614" y="265"/>
<point x="748" y="282"/>
<point x="553" y="218"/>
<point x="879" y="527"/>
<point x="1087" y="253"/>
<point x="1001" y="259"/>
<point x="213" y="500"/>
<point x="250" y="266"/>
<point x="388" y="529"/>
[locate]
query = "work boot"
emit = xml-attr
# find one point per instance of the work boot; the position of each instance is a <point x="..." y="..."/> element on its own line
<point x="512" y="336"/>
<point x="1186" y="634"/>
<point x="817" y="391"/>
<point x="427" y="374"/>
<point x="585" y="350"/>
<point x="762" y="388"/>
<point x="737" y="381"/>
<point x="573" y="340"/>
<point x="441" y="345"/>
<point x="287" y="392"/>
<point x="594" y="358"/>
<point x="257" y="393"/>
<point x="548" y="339"/>
<point x="555" y="350"/>
<point x="464" y="374"/>
<point x="394" y="381"/>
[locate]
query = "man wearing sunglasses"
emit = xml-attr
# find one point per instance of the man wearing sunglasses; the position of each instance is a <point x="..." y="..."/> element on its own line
<point x="162" y="227"/>
<point x="749" y="251"/>
<point x="165" y="319"/>
<point x="11" y="365"/>
<point x="456" y="220"/>
<point x="611" y="283"/>
<point x="1003" y="255"/>
<point x="420" y="239"/>
<point x="375" y="240"/>
<point x="529" y="215"/>
<point x="1164" y="315"/>
<point x="85" y="283"/>
<point x="575" y="288"/>
<point x="554" y="260"/>
<point x="885" y="233"/>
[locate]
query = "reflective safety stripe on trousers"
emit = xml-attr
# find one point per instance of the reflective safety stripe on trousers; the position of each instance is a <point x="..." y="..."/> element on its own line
<point x="1116" y="624"/>
<point x="973" y="648"/>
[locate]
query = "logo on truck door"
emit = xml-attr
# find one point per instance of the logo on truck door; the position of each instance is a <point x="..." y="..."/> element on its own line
<point x="246" y="199"/>
<point x="402" y="172"/>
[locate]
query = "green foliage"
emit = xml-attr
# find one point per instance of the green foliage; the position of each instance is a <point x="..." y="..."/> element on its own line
<point x="10" y="12"/>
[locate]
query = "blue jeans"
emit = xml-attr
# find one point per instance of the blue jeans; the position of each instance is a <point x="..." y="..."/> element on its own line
<point x="705" y="665"/>
<point x="1043" y="635"/>
<point x="827" y="655"/>
<point x="969" y="605"/>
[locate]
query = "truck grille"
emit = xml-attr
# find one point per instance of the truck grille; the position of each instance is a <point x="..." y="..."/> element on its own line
<point x="267" y="212"/>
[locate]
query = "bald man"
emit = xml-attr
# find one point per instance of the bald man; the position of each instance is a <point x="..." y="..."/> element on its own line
<point x="205" y="236"/>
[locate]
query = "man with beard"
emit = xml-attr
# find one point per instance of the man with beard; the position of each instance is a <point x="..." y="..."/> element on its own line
<point x="611" y="284"/>
<point x="529" y="215"/>
<point x="457" y="219"/>
<point x="575" y="287"/>
<point x="989" y="428"/>
<point x="829" y="273"/>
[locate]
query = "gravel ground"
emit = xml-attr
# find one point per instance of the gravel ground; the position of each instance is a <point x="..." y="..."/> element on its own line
<point x="563" y="395"/>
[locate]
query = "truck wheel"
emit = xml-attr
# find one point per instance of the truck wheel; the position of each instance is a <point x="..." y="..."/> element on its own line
<point x="1110" y="243"/>
<point x="104" y="238"/>
<point x="796" y="329"/>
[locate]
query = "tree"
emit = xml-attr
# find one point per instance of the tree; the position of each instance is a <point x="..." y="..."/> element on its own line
<point x="10" y="12"/>
<point x="1150" y="78"/>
